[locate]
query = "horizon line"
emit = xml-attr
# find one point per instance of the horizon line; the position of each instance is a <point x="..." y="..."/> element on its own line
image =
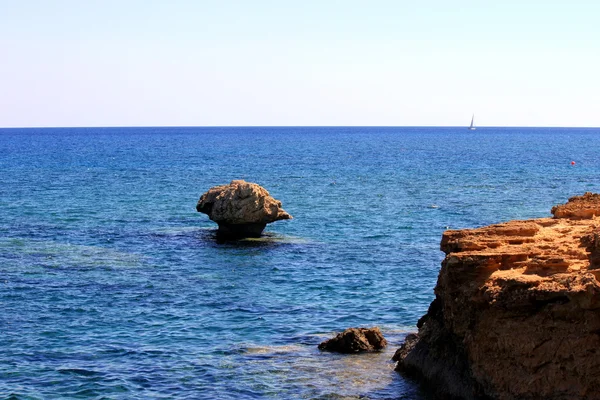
<point x="294" y="126"/>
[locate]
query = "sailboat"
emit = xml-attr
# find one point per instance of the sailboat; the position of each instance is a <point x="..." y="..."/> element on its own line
<point x="472" y="126"/>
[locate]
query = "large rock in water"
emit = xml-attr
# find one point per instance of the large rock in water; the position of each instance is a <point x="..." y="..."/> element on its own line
<point x="355" y="340"/>
<point x="517" y="310"/>
<point x="242" y="209"/>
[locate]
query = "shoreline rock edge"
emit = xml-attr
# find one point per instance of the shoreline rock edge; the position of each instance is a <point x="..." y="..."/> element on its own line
<point x="516" y="312"/>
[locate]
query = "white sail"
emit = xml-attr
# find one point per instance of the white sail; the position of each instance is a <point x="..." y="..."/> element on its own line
<point x="472" y="126"/>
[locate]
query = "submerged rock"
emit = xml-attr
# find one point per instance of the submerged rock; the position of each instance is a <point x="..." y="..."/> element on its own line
<point x="517" y="310"/>
<point x="355" y="340"/>
<point x="242" y="209"/>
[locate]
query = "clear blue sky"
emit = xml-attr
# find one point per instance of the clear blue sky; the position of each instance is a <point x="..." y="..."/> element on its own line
<point x="258" y="62"/>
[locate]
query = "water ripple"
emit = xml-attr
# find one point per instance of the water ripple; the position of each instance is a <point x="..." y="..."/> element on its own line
<point x="113" y="286"/>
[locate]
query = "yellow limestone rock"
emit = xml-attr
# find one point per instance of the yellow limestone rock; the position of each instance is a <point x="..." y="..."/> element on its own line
<point x="517" y="310"/>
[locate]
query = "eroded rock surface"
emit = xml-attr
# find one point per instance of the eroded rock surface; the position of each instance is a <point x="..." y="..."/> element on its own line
<point x="355" y="340"/>
<point x="517" y="310"/>
<point x="586" y="206"/>
<point x="242" y="209"/>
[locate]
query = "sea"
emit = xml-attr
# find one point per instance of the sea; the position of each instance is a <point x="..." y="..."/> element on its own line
<point x="112" y="286"/>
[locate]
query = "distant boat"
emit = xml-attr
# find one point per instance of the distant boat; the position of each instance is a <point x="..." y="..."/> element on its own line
<point x="472" y="126"/>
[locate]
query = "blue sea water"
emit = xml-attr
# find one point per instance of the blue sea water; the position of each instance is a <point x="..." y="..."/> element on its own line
<point x="112" y="286"/>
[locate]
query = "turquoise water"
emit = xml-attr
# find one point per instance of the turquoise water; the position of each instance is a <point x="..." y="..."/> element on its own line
<point x="113" y="287"/>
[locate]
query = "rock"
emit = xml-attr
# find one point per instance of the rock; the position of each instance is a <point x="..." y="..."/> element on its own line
<point x="242" y="209"/>
<point x="409" y="343"/>
<point x="517" y="310"/>
<point x="583" y="207"/>
<point x="355" y="340"/>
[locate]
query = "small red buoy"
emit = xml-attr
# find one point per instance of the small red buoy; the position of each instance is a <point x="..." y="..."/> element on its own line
<point x="572" y="162"/>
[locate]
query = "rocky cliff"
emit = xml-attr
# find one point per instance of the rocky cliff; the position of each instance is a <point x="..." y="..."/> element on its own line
<point x="517" y="310"/>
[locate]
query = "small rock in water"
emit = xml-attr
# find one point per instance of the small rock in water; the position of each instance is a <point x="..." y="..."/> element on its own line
<point x="355" y="340"/>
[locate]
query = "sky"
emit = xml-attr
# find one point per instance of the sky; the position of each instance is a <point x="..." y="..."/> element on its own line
<point x="297" y="63"/>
